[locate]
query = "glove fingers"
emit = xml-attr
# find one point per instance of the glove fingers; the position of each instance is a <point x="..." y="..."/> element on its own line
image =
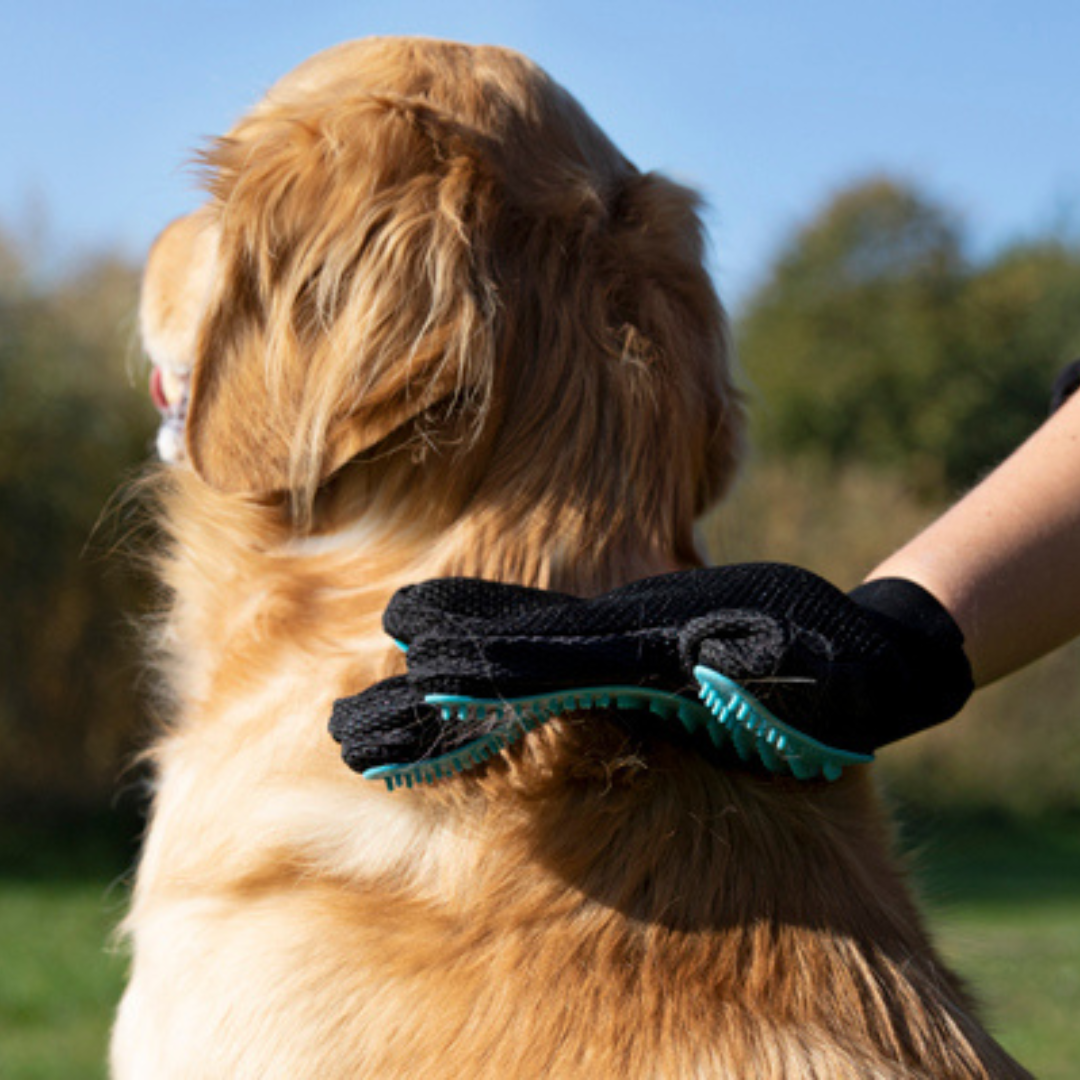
<point x="452" y="606"/>
<point x="509" y="666"/>
<point x="385" y="724"/>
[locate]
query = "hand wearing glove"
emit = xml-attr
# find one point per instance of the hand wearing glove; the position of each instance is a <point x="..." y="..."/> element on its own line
<point x="853" y="672"/>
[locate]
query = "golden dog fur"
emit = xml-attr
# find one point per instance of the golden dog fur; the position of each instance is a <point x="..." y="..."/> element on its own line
<point x="438" y="324"/>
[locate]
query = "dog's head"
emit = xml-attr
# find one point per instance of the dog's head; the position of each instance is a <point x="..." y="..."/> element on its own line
<point x="417" y="249"/>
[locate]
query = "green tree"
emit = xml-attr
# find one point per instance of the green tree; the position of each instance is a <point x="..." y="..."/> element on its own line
<point x="875" y="341"/>
<point x="71" y="427"/>
<point x="1021" y="322"/>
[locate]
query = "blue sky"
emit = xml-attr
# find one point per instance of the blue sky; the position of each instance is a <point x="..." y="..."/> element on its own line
<point x="765" y="106"/>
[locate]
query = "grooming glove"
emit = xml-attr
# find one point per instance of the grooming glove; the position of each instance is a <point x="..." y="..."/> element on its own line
<point x="854" y="672"/>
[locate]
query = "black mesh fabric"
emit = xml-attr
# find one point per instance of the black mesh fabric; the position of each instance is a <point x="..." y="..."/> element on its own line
<point x="854" y="672"/>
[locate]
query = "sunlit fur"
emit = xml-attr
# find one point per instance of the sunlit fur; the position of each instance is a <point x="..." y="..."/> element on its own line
<point x="438" y="324"/>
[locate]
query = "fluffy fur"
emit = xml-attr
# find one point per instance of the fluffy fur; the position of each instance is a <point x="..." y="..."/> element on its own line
<point x="435" y="323"/>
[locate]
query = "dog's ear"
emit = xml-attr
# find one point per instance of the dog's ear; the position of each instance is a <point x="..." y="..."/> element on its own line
<point x="348" y="298"/>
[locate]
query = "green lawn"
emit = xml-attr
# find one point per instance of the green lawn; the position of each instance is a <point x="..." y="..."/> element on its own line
<point x="61" y="896"/>
<point x="59" y="982"/>
<point x="1005" y="901"/>
<point x="1024" y="964"/>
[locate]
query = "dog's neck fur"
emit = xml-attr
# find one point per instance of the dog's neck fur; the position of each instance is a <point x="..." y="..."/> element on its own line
<point x="241" y="573"/>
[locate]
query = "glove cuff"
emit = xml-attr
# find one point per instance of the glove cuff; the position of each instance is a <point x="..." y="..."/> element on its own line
<point x="933" y="645"/>
<point x="913" y="607"/>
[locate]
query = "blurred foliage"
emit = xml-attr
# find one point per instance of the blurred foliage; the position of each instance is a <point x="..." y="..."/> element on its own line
<point x="876" y="341"/>
<point x="71" y="427"/>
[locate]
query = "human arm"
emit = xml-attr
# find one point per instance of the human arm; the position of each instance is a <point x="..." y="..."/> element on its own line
<point x="1005" y="560"/>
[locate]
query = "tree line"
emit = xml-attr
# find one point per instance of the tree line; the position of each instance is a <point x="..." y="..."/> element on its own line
<point x="878" y="339"/>
<point x="72" y="430"/>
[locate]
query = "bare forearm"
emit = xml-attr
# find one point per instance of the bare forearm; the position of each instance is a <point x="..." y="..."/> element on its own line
<point x="1005" y="560"/>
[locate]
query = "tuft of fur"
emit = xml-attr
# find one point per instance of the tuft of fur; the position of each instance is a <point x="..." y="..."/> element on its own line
<point x="436" y="324"/>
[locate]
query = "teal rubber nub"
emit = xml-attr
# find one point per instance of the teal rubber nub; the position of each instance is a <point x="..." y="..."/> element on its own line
<point x="516" y="716"/>
<point x="754" y="731"/>
<point x="666" y="705"/>
<point x="466" y="757"/>
<point x="728" y="714"/>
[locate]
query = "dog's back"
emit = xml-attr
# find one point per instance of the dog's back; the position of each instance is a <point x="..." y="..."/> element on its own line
<point x="432" y="323"/>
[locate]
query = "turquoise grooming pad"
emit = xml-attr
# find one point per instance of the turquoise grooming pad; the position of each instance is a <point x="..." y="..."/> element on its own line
<point x="522" y="714"/>
<point x="728" y="714"/>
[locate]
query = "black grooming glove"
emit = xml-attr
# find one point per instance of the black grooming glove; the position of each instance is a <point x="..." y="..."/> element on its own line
<point x="851" y="671"/>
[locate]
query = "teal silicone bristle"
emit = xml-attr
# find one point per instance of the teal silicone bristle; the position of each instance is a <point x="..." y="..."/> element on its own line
<point x="516" y="716"/>
<point x="468" y="756"/>
<point x="729" y="713"/>
<point x="544" y="706"/>
<point x="756" y="731"/>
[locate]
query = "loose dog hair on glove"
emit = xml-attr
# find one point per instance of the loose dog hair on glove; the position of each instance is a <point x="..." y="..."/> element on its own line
<point x="432" y="323"/>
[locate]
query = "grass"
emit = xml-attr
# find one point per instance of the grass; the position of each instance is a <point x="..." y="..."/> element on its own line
<point x="1003" y="897"/>
<point x="59" y="982"/>
<point x="61" y="896"/>
<point x="1025" y="965"/>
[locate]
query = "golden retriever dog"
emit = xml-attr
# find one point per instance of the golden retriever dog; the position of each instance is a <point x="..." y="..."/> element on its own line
<point x="431" y="322"/>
